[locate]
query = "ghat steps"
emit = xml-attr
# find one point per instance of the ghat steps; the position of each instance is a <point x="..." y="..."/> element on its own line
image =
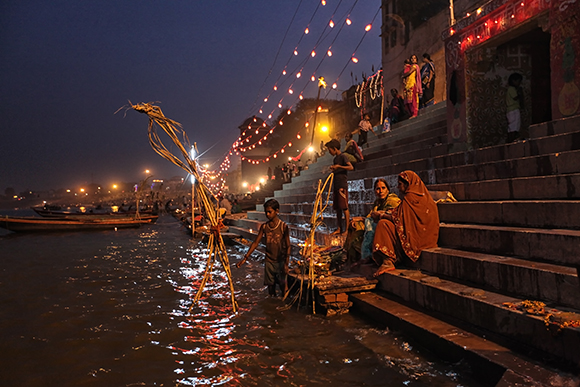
<point x="513" y="235"/>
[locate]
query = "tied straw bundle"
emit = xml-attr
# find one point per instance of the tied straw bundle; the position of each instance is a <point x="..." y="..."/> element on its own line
<point x="307" y="252"/>
<point x="216" y="244"/>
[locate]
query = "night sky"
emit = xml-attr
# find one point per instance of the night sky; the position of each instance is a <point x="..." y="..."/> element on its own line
<point x="67" y="66"/>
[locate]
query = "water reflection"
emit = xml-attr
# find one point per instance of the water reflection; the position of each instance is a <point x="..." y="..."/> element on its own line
<point x="111" y="309"/>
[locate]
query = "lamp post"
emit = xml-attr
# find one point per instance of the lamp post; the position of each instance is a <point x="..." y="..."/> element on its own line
<point x="193" y="194"/>
<point x="321" y="84"/>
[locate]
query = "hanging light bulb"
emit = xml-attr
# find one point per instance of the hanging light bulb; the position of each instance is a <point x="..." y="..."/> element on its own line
<point x="289" y="112"/>
<point x="269" y="116"/>
<point x="334" y="85"/>
<point x="323" y="2"/>
<point x="281" y="122"/>
<point x="295" y="52"/>
<point x="312" y="78"/>
<point x="298" y="136"/>
<point x="306" y="31"/>
<point x="260" y="111"/>
<point x="275" y="87"/>
<point x="289" y="144"/>
<point x="355" y="60"/>
<point x="368" y="27"/>
<point x="256" y="131"/>
<point x="266" y="99"/>
<point x="348" y="21"/>
<point x="329" y="53"/>
<point x="313" y="53"/>
<point x="300" y="96"/>
<point x="290" y="91"/>
<point x="298" y="75"/>
<point x="284" y="72"/>
<point x="331" y="24"/>
<point x="280" y="105"/>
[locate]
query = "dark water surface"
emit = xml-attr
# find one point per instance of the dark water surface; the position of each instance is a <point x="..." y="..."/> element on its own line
<point x="111" y="309"/>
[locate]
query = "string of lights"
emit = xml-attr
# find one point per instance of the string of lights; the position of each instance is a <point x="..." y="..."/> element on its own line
<point x="292" y="84"/>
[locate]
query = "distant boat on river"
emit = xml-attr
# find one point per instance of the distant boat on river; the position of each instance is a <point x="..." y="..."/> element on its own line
<point x="36" y="224"/>
<point x="70" y="212"/>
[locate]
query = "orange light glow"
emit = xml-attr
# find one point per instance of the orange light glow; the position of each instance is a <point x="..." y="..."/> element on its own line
<point x="306" y="31"/>
<point x="331" y="24"/>
<point x="313" y="53"/>
<point x="348" y="21"/>
<point x="368" y="27"/>
<point x="355" y="60"/>
<point x="329" y="53"/>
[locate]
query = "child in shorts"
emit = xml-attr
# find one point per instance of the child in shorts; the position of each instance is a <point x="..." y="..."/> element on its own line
<point x="276" y="237"/>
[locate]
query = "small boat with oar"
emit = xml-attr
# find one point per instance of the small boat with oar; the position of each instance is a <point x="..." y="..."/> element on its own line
<point x="36" y="224"/>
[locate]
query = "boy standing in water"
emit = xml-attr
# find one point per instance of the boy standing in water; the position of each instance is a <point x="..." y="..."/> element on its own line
<point x="276" y="237"/>
<point x="340" y="166"/>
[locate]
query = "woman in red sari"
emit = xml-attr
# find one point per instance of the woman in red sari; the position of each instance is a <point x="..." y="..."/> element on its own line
<point x="408" y="229"/>
<point x="412" y="85"/>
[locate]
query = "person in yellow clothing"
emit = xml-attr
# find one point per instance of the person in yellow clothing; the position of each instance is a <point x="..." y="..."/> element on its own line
<point x="514" y="102"/>
<point x="361" y="231"/>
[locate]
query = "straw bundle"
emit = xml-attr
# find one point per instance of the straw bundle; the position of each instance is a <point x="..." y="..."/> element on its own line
<point x="217" y="249"/>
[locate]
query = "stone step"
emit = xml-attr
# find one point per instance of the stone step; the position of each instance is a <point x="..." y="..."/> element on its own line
<point x="485" y="310"/>
<point x="562" y="186"/>
<point x="412" y="143"/>
<point x="561" y="214"/>
<point x="491" y="363"/>
<point x="563" y="125"/>
<point x="541" y="156"/>
<point x="558" y="246"/>
<point x="547" y="164"/>
<point x="507" y="275"/>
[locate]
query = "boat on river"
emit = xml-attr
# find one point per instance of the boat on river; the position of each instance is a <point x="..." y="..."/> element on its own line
<point x="37" y="224"/>
<point x="73" y="212"/>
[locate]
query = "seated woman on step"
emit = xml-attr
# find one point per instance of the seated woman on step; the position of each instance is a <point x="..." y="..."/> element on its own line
<point x="361" y="231"/>
<point x="408" y="229"/>
<point x="352" y="150"/>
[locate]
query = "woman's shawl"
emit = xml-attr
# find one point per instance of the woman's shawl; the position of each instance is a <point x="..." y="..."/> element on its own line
<point x="388" y="203"/>
<point x="416" y="219"/>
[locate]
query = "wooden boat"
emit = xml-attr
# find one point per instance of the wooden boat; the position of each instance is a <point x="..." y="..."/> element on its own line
<point x="35" y="224"/>
<point x="70" y="212"/>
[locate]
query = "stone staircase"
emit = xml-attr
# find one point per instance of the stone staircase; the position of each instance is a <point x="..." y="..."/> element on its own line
<point x="513" y="235"/>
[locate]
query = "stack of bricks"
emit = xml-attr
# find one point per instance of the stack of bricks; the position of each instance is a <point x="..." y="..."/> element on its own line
<point x="334" y="303"/>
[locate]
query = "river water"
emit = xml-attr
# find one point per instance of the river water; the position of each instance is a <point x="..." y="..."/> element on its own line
<point x="110" y="309"/>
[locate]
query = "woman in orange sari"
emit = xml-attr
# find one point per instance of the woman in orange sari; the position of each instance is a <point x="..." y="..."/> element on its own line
<point x="408" y="229"/>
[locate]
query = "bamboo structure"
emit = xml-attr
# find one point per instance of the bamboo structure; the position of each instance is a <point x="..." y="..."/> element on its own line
<point x="216" y="246"/>
<point x="307" y="252"/>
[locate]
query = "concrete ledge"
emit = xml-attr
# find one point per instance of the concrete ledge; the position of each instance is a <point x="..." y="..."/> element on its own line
<point x="554" y="246"/>
<point x="533" y="280"/>
<point x="565" y="186"/>
<point x="536" y="213"/>
<point x="490" y="363"/>
<point x="484" y="309"/>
